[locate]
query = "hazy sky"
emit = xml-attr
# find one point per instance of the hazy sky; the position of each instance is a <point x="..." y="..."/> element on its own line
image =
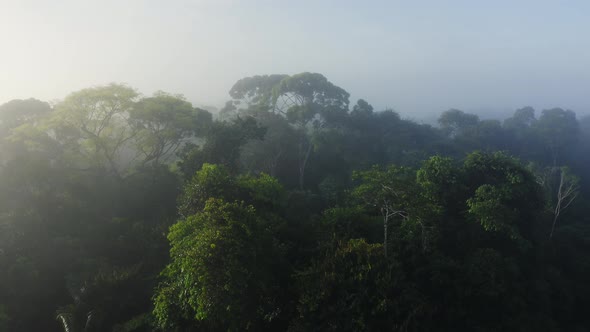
<point x="417" y="57"/>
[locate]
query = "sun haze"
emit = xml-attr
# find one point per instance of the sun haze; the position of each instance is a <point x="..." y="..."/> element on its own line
<point x="418" y="58"/>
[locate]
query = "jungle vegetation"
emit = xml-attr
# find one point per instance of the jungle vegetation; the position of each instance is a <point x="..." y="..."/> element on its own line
<point x="290" y="209"/>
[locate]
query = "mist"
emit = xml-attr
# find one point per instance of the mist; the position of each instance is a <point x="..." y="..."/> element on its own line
<point x="201" y="165"/>
<point x="419" y="58"/>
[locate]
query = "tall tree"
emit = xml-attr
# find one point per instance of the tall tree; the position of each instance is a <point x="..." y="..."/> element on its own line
<point x="164" y="123"/>
<point x="307" y="100"/>
<point x="389" y="191"/>
<point x="223" y="145"/>
<point x="562" y="189"/>
<point x="255" y="91"/>
<point x="559" y="130"/>
<point x="455" y="122"/>
<point x="222" y="272"/>
<point x="94" y="123"/>
<point x="17" y="112"/>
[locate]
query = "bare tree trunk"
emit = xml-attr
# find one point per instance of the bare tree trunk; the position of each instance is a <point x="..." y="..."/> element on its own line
<point x="566" y="194"/>
<point x="557" y="205"/>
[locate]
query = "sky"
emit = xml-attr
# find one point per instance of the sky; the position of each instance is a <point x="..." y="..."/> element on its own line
<point x="416" y="57"/>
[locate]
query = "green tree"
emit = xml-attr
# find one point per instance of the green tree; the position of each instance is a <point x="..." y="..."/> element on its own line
<point x="211" y="181"/>
<point x="255" y="91"/>
<point x="221" y="275"/>
<point x="272" y="153"/>
<point x="18" y="112"/>
<point x="522" y="119"/>
<point x="223" y="145"/>
<point x="14" y="115"/>
<point x="561" y="187"/>
<point x="307" y="100"/>
<point x="558" y="129"/>
<point x="93" y="123"/>
<point x="352" y="288"/>
<point x="455" y="122"/>
<point x="505" y="195"/>
<point x="164" y="123"/>
<point x="389" y="191"/>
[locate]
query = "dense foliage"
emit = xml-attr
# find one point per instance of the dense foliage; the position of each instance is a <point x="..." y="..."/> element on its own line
<point x="289" y="210"/>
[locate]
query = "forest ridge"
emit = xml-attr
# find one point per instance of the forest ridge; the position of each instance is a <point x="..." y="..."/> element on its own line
<point x="289" y="210"/>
